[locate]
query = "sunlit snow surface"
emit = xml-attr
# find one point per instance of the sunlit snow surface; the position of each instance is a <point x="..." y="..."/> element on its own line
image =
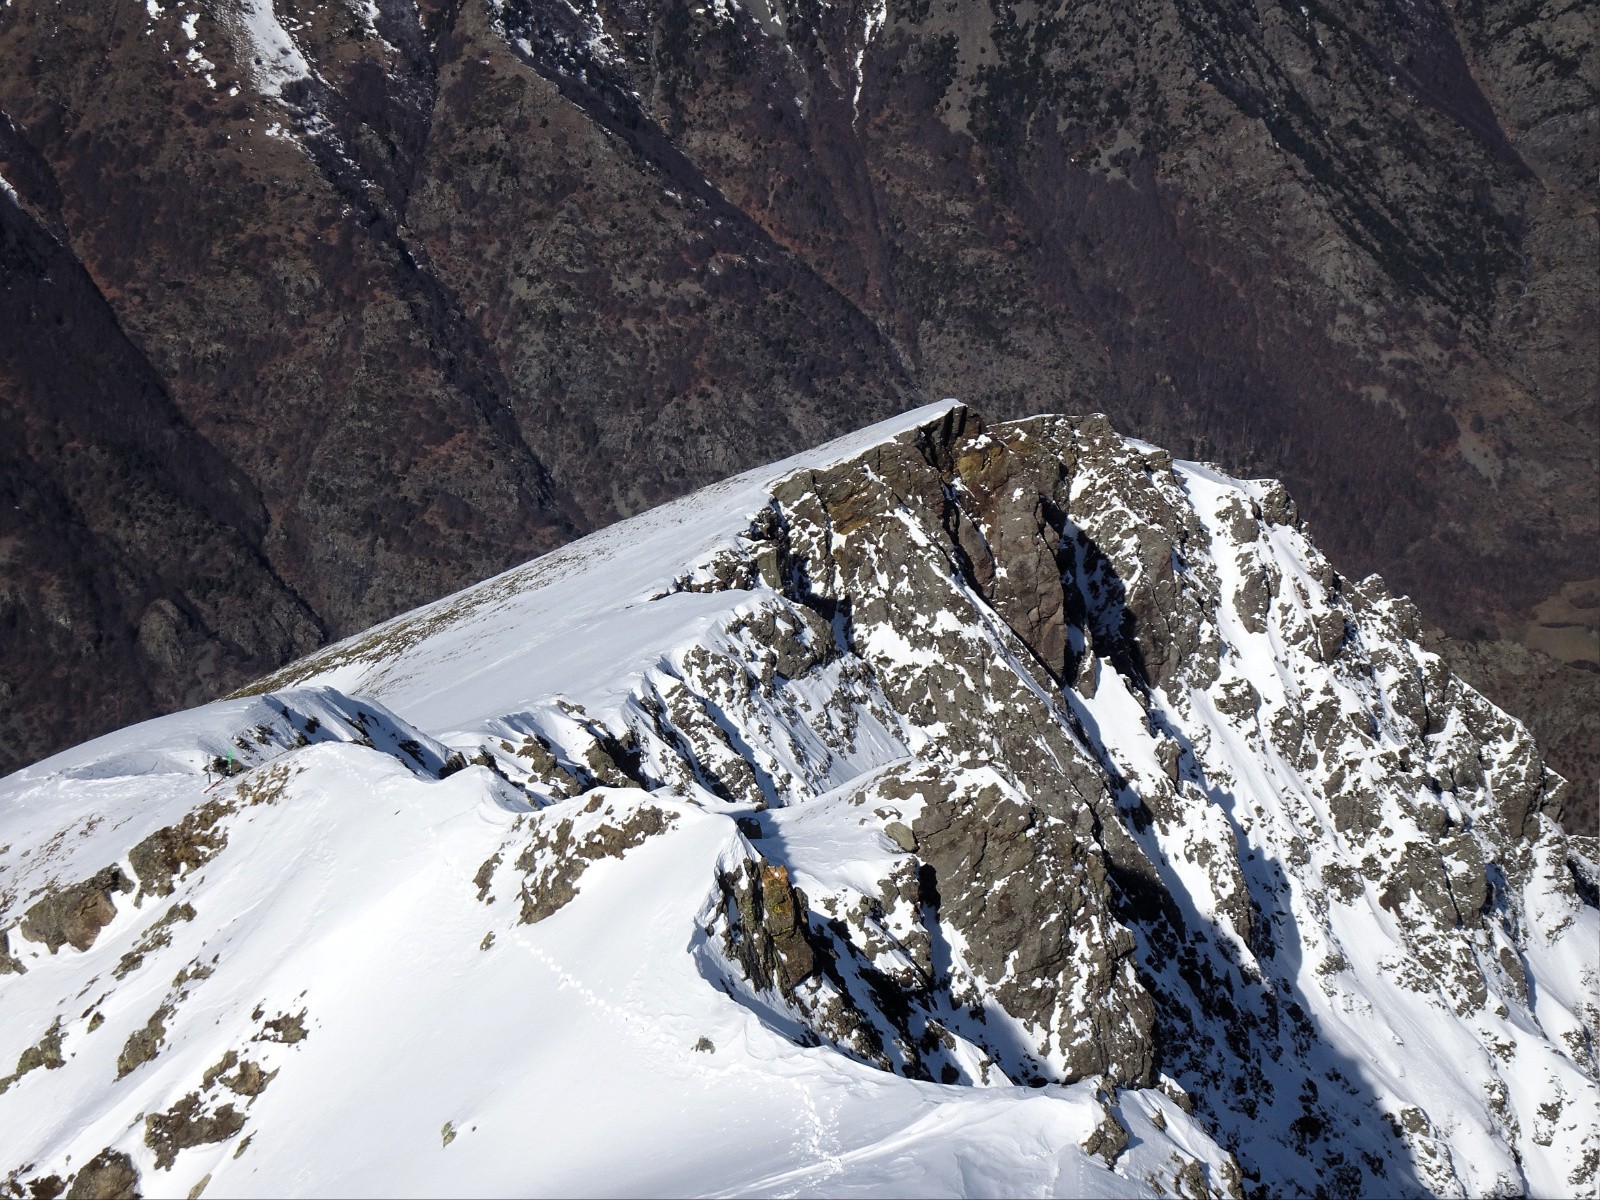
<point x="449" y="1048"/>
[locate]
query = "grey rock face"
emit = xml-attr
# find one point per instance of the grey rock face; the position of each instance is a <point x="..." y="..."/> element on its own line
<point x="1066" y="633"/>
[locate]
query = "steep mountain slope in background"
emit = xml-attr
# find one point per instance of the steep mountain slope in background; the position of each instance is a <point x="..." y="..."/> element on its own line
<point x="424" y="289"/>
<point x="952" y="810"/>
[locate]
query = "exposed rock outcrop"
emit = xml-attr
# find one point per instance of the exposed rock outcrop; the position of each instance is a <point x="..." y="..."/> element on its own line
<point x="74" y="915"/>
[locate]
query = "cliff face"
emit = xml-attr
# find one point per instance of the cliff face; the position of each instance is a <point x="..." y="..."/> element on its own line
<point x="1009" y="794"/>
<point x="442" y="286"/>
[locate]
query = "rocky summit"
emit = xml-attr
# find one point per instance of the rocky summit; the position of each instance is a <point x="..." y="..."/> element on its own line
<point x="958" y="808"/>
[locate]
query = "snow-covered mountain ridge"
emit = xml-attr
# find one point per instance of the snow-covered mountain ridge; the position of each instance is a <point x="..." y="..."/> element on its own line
<point x="947" y="810"/>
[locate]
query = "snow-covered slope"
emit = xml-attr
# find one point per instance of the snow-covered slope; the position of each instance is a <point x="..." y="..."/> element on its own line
<point x="945" y="811"/>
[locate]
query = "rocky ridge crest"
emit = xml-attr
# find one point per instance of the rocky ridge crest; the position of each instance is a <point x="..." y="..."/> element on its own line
<point x="1042" y="758"/>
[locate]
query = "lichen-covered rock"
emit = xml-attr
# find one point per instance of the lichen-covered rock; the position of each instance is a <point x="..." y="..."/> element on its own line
<point x="248" y="1079"/>
<point x="156" y="937"/>
<point x="109" y="1175"/>
<point x="168" y="853"/>
<point x="45" y="1053"/>
<point x="766" y="926"/>
<point x="285" y="1028"/>
<point x="75" y="915"/>
<point x="188" y="1123"/>
<point x="145" y="1042"/>
<point x="562" y="844"/>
